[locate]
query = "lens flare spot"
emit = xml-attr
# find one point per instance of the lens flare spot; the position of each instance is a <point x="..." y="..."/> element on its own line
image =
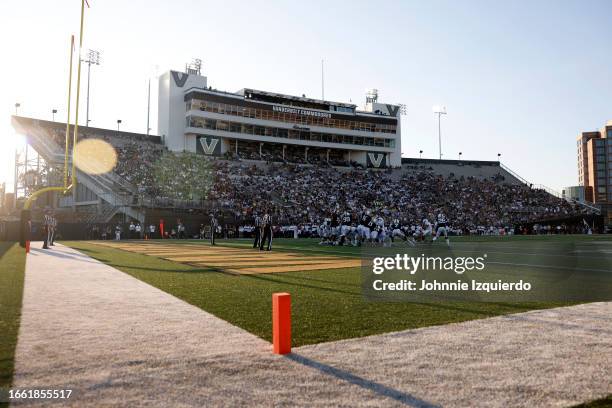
<point x="95" y="156"/>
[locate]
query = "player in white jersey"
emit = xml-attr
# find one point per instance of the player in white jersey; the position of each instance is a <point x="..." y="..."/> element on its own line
<point x="427" y="229"/>
<point x="324" y="232"/>
<point x="441" y="228"/>
<point x="378" y="233"/>
<point x="417" y="233"/>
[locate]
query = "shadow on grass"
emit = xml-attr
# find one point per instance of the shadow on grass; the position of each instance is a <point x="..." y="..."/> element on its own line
<point x="303" y="285"/>
<point x="380" y="389"/>
<point x="4" y="247"/>
<point x="55" y="254"/>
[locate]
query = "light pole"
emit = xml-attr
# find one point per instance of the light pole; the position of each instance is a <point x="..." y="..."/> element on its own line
<point x="460" y="155"/>
<point x="17" y="106"/>
<point x="439" y="110"/>
<point x="148" y="105"/>
<point x="498" y="156"/>
<point x="118" y="123"/>
<point x="53" y="112"/>
<point x="154" y="73"/>
<point x="93" y="57"/>
<point x="420" y="153"/>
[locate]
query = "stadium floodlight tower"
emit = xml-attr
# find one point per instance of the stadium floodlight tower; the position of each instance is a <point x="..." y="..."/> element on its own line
<point x="93" y="58"/>
<point x="371" y="97"/>
<point x="195" y="67"/>
<point x="439" y="110"/>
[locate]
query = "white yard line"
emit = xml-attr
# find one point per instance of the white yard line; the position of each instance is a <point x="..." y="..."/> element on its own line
<point x="117" y="341"/>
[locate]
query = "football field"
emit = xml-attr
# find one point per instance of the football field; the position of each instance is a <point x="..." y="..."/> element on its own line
<point x="238" y="260"/>
<point x="235" y="282"/>
<point x="138" y="321"/>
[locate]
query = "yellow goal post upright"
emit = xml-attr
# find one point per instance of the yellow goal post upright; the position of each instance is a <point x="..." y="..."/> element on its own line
<point x="25" y="213"/>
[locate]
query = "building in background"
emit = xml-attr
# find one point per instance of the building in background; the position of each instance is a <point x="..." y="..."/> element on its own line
<point x="573" y="193"/>
<point x="595" y="167"/>
<point x="254" y="124"/>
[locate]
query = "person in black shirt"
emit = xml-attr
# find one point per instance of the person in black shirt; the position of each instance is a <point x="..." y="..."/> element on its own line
<point x="266" y="232"/>
<point x="335" y="225"/>
<point x="46" y="229"/>
<point x="345" y="227"/>
<point x="214" y="223"/>
<point x="257" y="231"/>
<point x="363" y="229"/>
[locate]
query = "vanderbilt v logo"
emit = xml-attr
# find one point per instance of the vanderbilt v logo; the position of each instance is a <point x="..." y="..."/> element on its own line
<point x="376" y="159"/>
<point x="179" y="78"/>
<point x="392" y="110"/>
<point x="208" y="148"/>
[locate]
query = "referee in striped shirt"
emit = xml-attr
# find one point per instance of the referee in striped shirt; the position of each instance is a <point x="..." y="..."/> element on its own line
<point x="266" y="232"/>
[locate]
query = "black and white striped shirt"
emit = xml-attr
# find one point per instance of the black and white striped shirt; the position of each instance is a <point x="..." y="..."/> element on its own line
<point x="267" y="220"/>
<point x="257" y="221"/>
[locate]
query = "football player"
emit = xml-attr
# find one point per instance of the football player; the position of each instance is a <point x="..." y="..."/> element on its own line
<point x="396" y="230"/>
<point x="363" y="229"/>
<point x="442" y="228"/>
<point x="427" y="228"/>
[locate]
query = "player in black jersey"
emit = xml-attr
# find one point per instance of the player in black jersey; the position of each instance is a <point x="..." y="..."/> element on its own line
<point x="363" y="230"/>
<point x="345" y="227"/>
<point x="372" y="228"/>
<point x="334" y="225"/>
<point x="214" y="224"/>
<point x="396" y="230"/>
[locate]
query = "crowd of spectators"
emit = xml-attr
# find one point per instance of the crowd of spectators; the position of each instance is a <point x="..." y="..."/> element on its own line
<point x="300" y="192"/>
<point x="308" y="194"/>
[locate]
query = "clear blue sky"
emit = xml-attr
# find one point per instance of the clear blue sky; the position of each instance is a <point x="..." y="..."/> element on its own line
<point x="521" y="78"/>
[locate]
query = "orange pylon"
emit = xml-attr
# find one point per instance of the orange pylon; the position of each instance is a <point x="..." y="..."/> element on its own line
<point x="281" y="323"/>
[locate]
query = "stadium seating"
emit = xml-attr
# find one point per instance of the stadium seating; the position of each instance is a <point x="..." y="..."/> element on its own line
<point x="472" y="194"/>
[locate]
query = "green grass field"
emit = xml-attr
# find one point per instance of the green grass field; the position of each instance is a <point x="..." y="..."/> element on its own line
<point x="12" y="265"/>
<point x="327" y="305"/>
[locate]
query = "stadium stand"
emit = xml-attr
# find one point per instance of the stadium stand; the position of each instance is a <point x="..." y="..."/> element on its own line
<point x="149" y="180"/>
